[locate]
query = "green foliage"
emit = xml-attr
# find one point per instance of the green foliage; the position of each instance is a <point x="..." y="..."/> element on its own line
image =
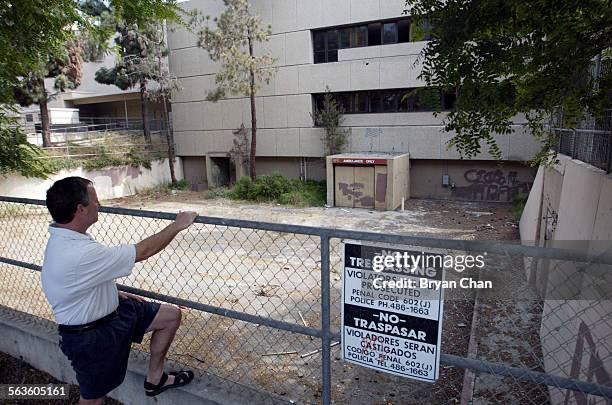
<point x="29" y="29"/>
<point x="279" y="189"/>
<point x="236" y="30"/>
<point x="179" y="185"/>
<point x="16" y="153"/>
<point x="33" y="45"/>
<point x="331" y="118"/>
<point x="216" y="193"/>
<point x="425" y="96"/>
<point x="514" y="57"/>
<point x="419" y="31"/>
<point x="232" y="41"/>
<point x="242" y="190"/>
<point x="518" y="205"/>
<point x="56" y="164"/>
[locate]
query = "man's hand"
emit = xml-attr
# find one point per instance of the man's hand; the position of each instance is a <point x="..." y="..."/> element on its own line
<point x="153" y="244"/>
<point x="128" y="296"/>
<point x="185" y="219"/>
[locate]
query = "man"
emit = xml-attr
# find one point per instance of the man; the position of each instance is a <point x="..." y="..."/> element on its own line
<point x="97" y="324"/>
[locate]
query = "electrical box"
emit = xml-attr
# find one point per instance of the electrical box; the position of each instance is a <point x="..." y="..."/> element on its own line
<point x="445" y="180"/>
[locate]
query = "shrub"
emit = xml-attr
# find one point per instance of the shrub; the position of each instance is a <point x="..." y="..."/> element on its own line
<point x="271" y="187"/>
<point x="242" y="190"/>
<point x="518" y="205"/>
<point x="280" y="189"/>
<point x="179" y="185"/>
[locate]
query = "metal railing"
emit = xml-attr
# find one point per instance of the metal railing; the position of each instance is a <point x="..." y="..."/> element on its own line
<point x="261" y="295"/>
<point x="590" y="141"/>
<point x="87" y="124"/>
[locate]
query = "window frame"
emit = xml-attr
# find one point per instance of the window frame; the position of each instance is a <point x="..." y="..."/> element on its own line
<point x="353" y="30"/>
<point x="377" y="96"/>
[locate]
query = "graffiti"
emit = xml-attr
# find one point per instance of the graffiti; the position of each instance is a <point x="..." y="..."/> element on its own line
<point x="550" y="221"/>
<point x="353" y="191"/>
<point x="595" y="370"/>
<point x="492" y="185"/>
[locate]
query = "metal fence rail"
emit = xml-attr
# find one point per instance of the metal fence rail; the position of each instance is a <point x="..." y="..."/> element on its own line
<point x="260" y="296"/>
<point x="590" y="141"/>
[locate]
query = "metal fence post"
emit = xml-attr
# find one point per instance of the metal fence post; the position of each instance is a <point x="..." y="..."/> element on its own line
<point x="325" y="320"/>
<point x="609" y="166"/>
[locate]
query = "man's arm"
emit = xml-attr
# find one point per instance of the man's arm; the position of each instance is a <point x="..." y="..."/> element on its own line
<point x="154" y="244"/>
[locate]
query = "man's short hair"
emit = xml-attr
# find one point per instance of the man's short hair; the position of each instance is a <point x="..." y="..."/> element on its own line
<point x="65" y="195"/>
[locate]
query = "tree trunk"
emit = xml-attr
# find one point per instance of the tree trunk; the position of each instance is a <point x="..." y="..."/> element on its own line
<point x="44" y="119"/>
<point x="144" y="109"/>
<point x="170" y="140"/>
<point x="252" y="164"/>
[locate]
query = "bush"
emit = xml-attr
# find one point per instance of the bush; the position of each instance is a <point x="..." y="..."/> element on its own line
<point x="518" y="205"/>
<point x="270" y="188"/>
<point x="179" y="185"/>
<point x="278" y="188"/>
<point x="242" y="190"/>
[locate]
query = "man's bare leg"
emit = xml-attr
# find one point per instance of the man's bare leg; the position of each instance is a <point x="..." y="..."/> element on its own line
<point x="164" y="326"/>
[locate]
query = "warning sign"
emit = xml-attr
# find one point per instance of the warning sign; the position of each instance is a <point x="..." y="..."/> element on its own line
<point x="391" y="320"/>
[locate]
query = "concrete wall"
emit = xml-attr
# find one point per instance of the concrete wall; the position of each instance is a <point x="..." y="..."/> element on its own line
<point x="470" y="180"/>
<point x="575" y="211"/>
<point x="398" y="183"/>
<point x="285" y="105"/>
<point x="36" y="342"/>
<point x="112" y="182"/>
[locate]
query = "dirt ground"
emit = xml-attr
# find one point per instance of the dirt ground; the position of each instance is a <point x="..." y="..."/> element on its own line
<point x="268" y="274"/>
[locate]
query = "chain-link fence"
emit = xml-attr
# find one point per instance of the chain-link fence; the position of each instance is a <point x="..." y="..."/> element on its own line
<point x="263" y="306"/>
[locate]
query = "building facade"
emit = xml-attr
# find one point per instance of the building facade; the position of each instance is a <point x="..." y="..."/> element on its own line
<point x="364" y="51"/>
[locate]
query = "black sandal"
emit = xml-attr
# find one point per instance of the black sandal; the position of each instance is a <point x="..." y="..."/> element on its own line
<point x="181" y="378"/>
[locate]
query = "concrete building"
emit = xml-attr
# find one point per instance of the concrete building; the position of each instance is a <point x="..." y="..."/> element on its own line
<point x="91" y="102"/>
<point x="365" y="51"/>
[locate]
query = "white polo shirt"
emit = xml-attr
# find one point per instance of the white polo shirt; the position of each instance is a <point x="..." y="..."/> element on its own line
<point x="78" y="275"/>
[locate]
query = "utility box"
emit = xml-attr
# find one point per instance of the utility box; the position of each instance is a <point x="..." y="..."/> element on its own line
<point x="368" y="180"/>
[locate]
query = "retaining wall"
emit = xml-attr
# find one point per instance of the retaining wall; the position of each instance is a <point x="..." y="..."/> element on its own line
<point x="110" y="182"/>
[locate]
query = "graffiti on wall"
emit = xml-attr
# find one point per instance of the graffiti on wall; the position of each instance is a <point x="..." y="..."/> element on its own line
<point x="551" y="217"/>
<point x="354" y="192"/>
<point x="491" y="185"/>
<point x="594" y="369"/>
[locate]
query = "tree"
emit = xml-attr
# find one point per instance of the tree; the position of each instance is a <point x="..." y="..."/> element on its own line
<point x="510" y="57"/>
<point x="16" y="153"/>
<point x="66" y="67"/>
<point x="135" y="45"/>
<point x="329" y="116"/>
<point x="154" y="66"/>
<point x="238" y="30"/>
<point x="32" y="30"/>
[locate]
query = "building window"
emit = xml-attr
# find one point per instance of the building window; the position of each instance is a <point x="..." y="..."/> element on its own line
<point x="360" y="36"/>
<point x="326" y="42"/>
<point x="389" y="101"/>
<point x="29" y="118"/>
<point x="325" y="45"/>
<point x="345" y="38"/>
<point x="374" y="32"/>
<point x="390" y="33"/>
